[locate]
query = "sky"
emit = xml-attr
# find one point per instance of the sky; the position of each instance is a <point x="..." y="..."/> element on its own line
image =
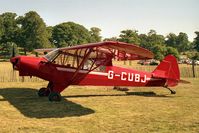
<point x="113" y="16"/>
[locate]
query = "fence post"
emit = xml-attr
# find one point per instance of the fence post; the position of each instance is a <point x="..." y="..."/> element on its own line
<point x="193" y="68"/>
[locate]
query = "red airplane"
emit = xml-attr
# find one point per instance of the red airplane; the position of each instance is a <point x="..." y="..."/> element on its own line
<point x="91" y="64"/>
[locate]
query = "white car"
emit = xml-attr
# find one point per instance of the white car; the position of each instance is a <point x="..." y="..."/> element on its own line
<point x="197" y="62"/>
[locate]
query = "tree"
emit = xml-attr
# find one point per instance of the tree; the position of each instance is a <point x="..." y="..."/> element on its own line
<point x="154" y="42"/>
<point x="144" y="41"/>
<point x="129" y="36"/>
<point x="155" y="39"/>
<point x="159" y="51"/>
<point x="33" y="32"/>
<point x="173" y="51"/>
<point x="171" y="40"/>
<point x="95" y="34"/>
<point x="70" y="34"/>
<point x="150" y="40"/>
<point x="111" y="39"/>
<point x="183" y="42"/>
<point x="8" y="27"/>
<point x="180" y="42"/>
<point x="196" y="41"/>
<point x="8" y="32"/>
<point x="1" y="27"/>
<point x="49" y="30"/>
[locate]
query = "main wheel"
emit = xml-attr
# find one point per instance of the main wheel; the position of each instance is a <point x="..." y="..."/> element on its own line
<point x="173" y="92"/>
<point x="54" y="96"/>
<point x="43" y="92"/>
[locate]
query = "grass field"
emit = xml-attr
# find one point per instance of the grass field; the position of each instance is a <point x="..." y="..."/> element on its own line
<point x="99" y="110"/>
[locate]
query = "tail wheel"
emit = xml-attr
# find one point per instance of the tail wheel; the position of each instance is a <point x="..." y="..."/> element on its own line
<point x="54" y="96"/>
<point x="43" y="92"/>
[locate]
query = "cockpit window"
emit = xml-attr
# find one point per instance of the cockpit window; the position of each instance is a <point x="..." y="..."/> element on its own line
<point x="73" y="59"/>
<point x="52" y="55"/>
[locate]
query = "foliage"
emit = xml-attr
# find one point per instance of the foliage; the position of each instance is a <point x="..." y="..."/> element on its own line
<point x="154" y="42"/>
<point x="194" y="52"/>
<point x="129" y="36"/>
<point x="8" y="27"/>
<point x="173" y="51"/>
<point x="194" y="55"/>
<point x="196" y="41"/>
<point x="69" y="34"/>
<point x="144" y="41"/>
<point x="180" y="42"/>
<point x="33" y="32"/>
<point x="183" y="42"/>
<point x="49" y="30"/>
<point x="159" y="51"/>
<point x="151" y="39"/>
<point x="1" y="27"/>
<point x="95" y="34"/>
<point x="111" y="39"/>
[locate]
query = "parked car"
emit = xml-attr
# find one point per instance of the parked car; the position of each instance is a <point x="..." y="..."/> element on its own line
<point x="196" y="62"/>
<point x="148" y="62"/>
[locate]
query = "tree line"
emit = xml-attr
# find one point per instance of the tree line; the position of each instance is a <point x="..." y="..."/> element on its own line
<point x="30" y="32"/>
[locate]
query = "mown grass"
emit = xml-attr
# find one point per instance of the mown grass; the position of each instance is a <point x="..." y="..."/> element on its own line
<point x="99" y="110"/>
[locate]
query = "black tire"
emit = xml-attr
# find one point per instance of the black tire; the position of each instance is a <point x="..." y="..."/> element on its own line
<point x="54" y="96"/>
<point x="173" y="92"/>
<point x="43" y="92"/>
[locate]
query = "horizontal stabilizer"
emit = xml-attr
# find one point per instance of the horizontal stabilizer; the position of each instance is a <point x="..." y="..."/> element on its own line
<point x="184" y="82"/>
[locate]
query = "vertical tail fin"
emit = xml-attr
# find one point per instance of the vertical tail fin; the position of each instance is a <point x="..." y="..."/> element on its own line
<point x="169" y="70"/>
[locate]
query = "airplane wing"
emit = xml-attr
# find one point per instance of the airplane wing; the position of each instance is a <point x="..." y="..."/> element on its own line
<point x="116" y="50"/>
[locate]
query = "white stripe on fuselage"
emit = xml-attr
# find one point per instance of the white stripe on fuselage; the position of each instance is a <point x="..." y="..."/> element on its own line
<point x="94" y="73"/>
<point x="81" y="71"/>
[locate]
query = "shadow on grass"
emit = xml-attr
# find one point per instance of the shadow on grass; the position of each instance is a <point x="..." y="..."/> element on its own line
<point x="30" y="105"/>
<point x="144" y="94"/>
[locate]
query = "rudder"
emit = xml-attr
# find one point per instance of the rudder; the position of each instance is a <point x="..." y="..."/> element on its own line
<point x="169" y="70"/>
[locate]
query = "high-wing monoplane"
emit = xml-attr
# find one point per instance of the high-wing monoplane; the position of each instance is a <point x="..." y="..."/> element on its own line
<point x="91" y="64"/>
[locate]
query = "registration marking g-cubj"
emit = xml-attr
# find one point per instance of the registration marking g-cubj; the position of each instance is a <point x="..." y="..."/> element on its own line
<point x="127" y="76"/>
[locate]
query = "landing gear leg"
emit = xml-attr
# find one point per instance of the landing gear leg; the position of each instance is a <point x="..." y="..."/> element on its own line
<point x="53" y="95"/>
<point x="172" y="91"/>
<point x="45" y="91"/>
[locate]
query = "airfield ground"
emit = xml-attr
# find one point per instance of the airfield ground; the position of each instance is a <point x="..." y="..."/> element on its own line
<point x="99" y="109"/>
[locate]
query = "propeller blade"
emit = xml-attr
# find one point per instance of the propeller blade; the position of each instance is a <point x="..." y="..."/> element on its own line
<point x="13" y="54"/>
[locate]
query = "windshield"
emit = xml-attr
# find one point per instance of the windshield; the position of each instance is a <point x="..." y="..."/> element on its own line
<point x="52" y="55"/>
